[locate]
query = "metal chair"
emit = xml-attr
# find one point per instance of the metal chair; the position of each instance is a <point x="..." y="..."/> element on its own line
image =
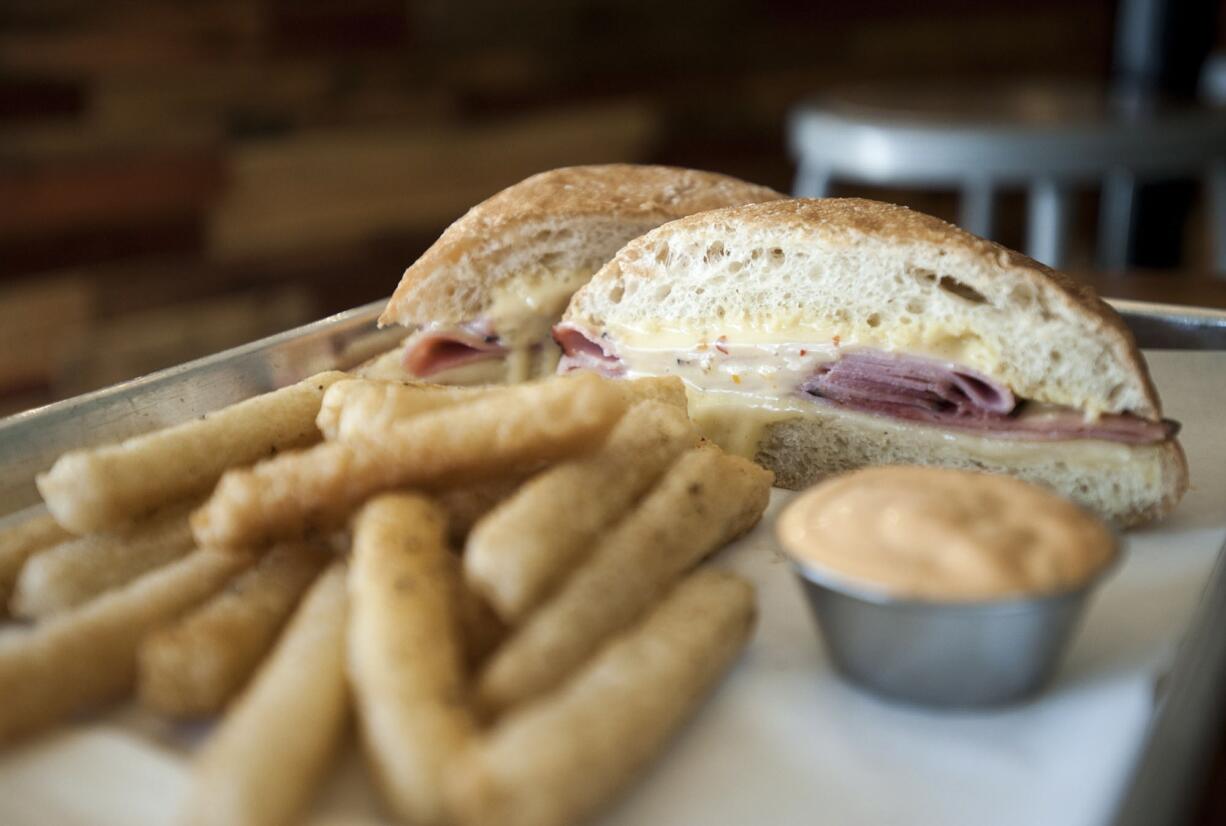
<point x="1045" y="140"/>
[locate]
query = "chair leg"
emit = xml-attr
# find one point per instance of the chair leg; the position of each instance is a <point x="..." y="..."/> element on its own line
<point x="976" y="208"/>
<point x="1217" y="215"/>
<point x="1048" y="211"/>
<point x="1116" y="217"/>
<point x="812" y="181"/>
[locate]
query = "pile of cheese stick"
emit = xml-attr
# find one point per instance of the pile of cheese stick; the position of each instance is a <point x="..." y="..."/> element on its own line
<point x="500" y="583"/>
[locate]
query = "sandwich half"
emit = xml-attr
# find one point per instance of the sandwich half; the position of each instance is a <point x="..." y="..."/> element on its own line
<point x="818" y="336"/>
<point x="484" y="297"/>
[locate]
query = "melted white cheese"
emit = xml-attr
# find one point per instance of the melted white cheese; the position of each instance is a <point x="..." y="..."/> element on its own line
<point x="523" y="310"/>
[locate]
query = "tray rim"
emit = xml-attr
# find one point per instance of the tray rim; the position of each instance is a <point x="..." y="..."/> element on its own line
<point x="359" y="314"/>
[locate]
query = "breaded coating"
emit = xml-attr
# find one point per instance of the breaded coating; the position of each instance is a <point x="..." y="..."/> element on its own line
<point x="523" y="549"/>
<point x="704" y="501"/>
<point x="668" y="390"/>
<point x="355" y="408"/>
<point x="493" y="436"/>
<point x="108" y="488"/>
<point x="557" y="760"/>
<point x="76" y="571"/>
<point x="19" y="542"/>
<point x="268" y="756"/>
<point x="193" y="667"/>
<point x="85" y="657"/>
<point x="406" y="660"/>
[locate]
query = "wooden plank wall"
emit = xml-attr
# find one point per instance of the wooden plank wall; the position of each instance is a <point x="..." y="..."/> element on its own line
<point x="167" y="165"/>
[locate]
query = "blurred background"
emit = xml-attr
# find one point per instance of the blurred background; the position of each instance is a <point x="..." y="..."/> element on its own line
<point x="180" y="176"/>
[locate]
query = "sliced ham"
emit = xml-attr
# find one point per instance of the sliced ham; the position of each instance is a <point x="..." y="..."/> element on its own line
<point x="939" y="393"/>
<point x="580" y="351"/>
<point x="909" y="387"/>
<point x="912" y="388"/>
<point x="432" y="351"/>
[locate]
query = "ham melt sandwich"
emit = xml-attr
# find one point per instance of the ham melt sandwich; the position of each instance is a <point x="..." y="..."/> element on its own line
<point x="818" y="336"/>
<point x="484" y="296"/>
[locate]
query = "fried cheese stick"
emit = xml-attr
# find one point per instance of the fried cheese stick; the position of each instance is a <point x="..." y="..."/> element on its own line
<point x="704" y="501"/>
<point x="406" y="662"/>
<point x="194" y="666"/>
<point x="87" y="656"/>
<point x="519" y="552"/>
<point x="19" y="542"/>
<point x="261" y="765"/>
<point x="560" y="758"/>
<point x="489" y="437"/>
<point x="76" y="571"/>
<point x="353" y="408"/>
<point x="109" y="487"/>
<point x="664" y="389"/>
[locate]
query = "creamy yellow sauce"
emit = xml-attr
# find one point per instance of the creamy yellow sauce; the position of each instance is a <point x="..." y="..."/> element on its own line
<point x="963" y="347"/>
<point x="521" y="312"/>
<point x="946" y="535"/>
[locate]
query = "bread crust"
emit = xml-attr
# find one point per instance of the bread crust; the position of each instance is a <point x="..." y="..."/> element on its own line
<point x="1175" y="478"/>
<point x="805" y="448"/>
<point x="856" y="220"/>
<point x="610" y="200"/>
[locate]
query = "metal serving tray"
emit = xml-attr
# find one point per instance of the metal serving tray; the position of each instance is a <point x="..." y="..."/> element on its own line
<point x="31" y="441"/>
<point x="1182" y="733"/>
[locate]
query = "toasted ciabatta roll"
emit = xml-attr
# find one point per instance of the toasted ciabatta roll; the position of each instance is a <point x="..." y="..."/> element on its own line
<point x="485" y="295"/>
<point x="824" y="335"/>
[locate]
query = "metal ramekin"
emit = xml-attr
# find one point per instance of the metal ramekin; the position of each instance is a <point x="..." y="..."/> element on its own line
<point x="948" y="654"/>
